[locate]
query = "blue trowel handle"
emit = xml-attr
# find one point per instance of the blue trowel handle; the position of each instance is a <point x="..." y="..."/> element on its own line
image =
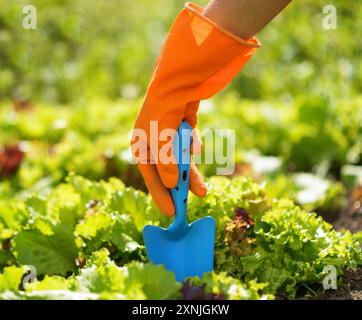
<point x="181" y="146"/>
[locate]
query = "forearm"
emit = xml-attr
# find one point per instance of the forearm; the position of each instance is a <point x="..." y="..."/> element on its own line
<point x="244" y="18"/>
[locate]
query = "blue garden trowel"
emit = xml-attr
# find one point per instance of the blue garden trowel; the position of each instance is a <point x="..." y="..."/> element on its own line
<point x="186" y="249"/>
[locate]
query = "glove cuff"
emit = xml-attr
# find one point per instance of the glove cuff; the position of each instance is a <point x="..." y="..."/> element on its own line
<point x="194" y="9"/>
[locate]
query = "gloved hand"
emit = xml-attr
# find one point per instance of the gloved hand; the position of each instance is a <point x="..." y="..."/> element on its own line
<point x="197" y="60"/>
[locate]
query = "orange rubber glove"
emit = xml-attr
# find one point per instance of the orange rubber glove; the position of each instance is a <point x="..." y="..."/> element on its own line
<point x="198" y="59"/>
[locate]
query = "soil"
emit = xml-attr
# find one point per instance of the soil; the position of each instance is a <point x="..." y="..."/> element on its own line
<point x="349" y="220"/>
<point x="351" y="288"/>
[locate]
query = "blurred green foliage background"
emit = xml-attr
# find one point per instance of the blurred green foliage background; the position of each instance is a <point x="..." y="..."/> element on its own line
<point x="70" y="90"/>
<point x="83" y="49"/>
